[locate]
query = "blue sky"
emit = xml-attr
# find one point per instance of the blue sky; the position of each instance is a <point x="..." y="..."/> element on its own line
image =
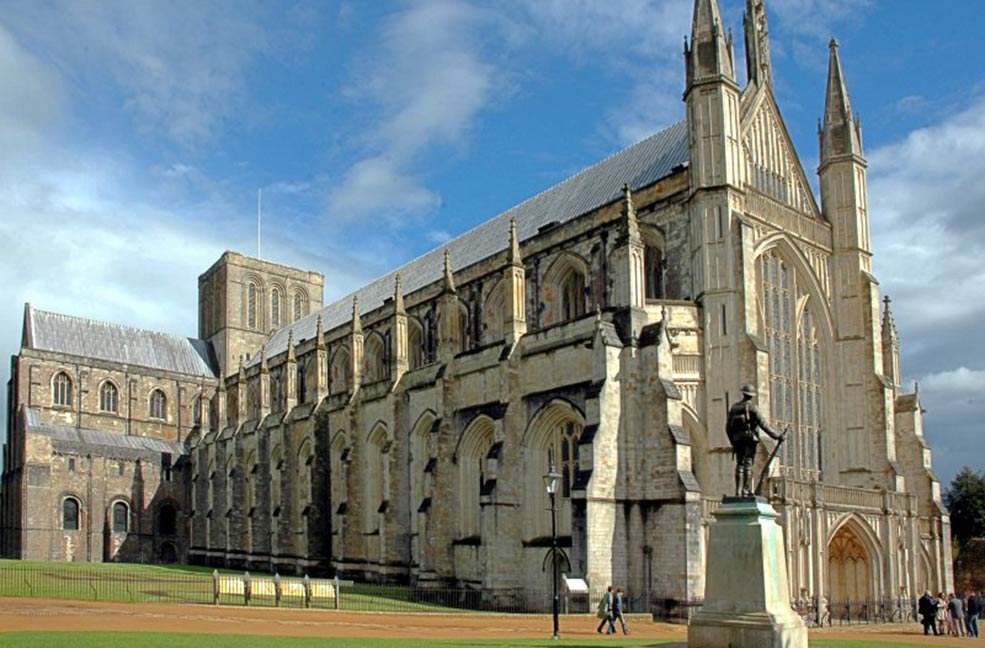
<point x="135" y="136"/>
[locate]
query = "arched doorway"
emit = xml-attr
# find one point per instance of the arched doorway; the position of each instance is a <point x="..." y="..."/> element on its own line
<point x="850" y="573"/>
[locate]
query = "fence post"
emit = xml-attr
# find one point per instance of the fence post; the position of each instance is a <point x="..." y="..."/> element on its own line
<point x="246" y="588"/>
<point x="215" y="587"/>
<point x="335" y="584"/>
<point x="276" y="590"/>
<point x="307" y="591"/>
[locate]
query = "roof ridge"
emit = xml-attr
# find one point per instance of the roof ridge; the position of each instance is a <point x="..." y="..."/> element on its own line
<point x="348" y="297"/>
<point x="567" y="200"/>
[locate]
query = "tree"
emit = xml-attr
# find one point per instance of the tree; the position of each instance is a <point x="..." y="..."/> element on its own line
<point x="966" y="500"/>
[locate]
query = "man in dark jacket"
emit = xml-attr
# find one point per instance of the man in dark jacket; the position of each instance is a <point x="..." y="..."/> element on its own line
<point x="973" y="610"/>
<point x="927" y="607"/>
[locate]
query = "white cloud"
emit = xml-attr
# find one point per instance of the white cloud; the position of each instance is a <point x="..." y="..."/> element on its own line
<point x="925" y="199"/>
<point x="926" y="195"/>
<point x="180" y="66"/>
<point x="377" y="186"/>
<point x="960" y="380"/>
<point x="425" y="82"/>
<point x="31" y="101"/>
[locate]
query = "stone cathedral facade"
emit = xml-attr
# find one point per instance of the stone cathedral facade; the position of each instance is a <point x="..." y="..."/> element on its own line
<point x="603" y="327"/>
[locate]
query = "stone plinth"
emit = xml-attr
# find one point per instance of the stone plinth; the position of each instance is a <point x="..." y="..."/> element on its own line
<point x="747" y="599"/>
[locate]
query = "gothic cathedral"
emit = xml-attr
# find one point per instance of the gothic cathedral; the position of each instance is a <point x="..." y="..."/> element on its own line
<point x="601" y="328"/>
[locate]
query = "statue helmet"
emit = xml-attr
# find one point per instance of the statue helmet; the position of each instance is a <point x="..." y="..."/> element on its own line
<point x="748" y="390"/>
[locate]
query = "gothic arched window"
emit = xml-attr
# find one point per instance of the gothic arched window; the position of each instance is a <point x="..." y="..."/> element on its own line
<point x="61" y="389"/>
<point x="472" y="472"/>
<point x="795" y="371"/>
<point x="653" y="271"/>
<point x="167" y="520"/>
<point x="252" y="304"/>
<point x="70" y="514"/>
<point x="121" y="517"/>
<point x="275" y="307"/>
<point x="300" y="306"/>
<point x="108" y="398"/>
<point x="158" y="408"/>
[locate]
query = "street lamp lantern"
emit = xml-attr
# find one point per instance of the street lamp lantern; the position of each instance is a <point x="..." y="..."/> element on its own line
<point x="551" y="480"/>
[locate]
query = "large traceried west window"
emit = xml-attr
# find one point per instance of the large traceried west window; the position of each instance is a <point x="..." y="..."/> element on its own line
<point x="796" y="374"/>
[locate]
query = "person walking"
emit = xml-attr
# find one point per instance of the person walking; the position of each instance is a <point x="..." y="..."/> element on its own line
<point x="604" y="613"/>
<point x="973" y="610"/>
<point x="955" y="609"/>
<point x="618" y="607"/>
<point x="927" y="608"/>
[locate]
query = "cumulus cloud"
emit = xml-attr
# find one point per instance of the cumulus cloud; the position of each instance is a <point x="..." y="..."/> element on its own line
<point x="960" y="380"/>
<point x="179" y="66"/>
<point x="925" y="203"/>
<point x="425" y="80"/>
<point x="31" y="100"/>
<point x="926" y="196"/>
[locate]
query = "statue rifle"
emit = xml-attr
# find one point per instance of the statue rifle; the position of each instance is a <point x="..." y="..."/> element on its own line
<point x="769" y="461"/>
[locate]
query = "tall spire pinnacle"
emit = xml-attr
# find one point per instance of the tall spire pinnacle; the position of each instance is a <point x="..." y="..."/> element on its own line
<point x="709" y="57"/>
<point x="263" y="359"/>
<point x="840" y="134"/>
<point x="398" y="296"/>
<point x="889" y="332"/>
<point x="630" y="225"/>
<point x="319" y="335"/>
<point x="357" y="325"/>
<point x="758" y="65"/>
<point x="290" y="346"/>
<point x="449" y="277"/>
<point x="514" y="243"/>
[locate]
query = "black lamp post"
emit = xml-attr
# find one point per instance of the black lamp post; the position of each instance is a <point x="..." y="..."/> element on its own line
<point x="550" y="482"/>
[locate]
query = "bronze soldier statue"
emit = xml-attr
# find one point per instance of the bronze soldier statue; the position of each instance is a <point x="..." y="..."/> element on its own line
<point x="742" y="428"/>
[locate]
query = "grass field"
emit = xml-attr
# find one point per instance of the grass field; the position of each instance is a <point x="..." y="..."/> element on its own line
<point x="178" y="640"/>
<point x="177" y="584"/>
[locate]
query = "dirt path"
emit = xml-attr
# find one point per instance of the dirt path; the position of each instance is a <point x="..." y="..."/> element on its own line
<point x="23" y="614"/>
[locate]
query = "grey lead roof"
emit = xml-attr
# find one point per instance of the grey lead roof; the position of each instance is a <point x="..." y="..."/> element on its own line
<point x="117" y="343"/>
<point x="101" y="437"/>
<point x="640" y="165"/>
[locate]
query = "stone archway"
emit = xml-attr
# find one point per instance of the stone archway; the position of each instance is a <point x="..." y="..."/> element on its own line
<point x="850" y="565"/>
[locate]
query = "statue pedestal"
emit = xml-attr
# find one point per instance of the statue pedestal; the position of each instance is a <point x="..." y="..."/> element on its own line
<point x="747" y="596"/>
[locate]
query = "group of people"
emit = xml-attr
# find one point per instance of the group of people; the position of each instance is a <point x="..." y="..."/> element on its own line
<point x="610" y="609"/>
<point x="950" y="614"/>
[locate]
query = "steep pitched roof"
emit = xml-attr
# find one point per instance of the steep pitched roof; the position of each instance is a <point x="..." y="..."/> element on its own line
<point x="640" y="165"/>
<point x="78" y="336"/>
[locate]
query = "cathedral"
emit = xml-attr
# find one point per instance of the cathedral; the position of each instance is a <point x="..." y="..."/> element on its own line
<point x="601" y="329"/>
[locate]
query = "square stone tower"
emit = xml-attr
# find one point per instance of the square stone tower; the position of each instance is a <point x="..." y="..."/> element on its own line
<point x="242" y="300"/>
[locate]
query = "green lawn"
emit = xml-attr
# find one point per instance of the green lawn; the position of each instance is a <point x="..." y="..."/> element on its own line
<point x="121" y="582"/>
<point x="178" y="640"/>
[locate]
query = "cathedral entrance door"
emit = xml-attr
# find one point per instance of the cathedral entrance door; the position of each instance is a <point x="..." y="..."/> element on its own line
<point x="849" y="575"/>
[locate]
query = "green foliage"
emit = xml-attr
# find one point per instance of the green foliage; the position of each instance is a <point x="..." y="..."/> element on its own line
<point x="966" y="500"/>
